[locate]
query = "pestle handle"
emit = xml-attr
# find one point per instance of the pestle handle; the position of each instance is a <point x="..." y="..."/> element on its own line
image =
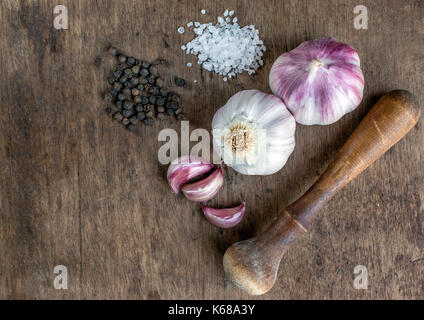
<point x="253" y="264"/>
<point x="391" y="118"/>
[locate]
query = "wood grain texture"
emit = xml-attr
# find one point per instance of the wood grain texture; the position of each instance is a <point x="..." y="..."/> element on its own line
<point x="77" y="189"/>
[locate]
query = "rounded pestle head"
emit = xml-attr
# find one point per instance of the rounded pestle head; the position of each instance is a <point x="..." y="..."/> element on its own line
<point x="251" y="268"/>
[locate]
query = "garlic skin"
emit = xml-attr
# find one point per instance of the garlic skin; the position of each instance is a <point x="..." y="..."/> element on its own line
<point x="254" y="133"/>
<point x="224" y="218"/>
<point x="206" y="188"/>
<point x="186" y="168"/>
<point x="320" y="81"/>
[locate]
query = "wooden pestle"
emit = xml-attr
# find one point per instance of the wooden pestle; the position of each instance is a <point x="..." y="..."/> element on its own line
<point x="253" y="264"/>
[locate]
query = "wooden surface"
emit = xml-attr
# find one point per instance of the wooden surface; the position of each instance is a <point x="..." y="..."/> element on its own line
<point x="76" y="189"/>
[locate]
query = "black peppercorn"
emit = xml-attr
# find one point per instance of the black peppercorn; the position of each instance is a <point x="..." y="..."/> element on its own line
<point x="117" y="86"/>
<point x="123" y="79"/>
<point x="151" y="80"/>
<point x="135" y="70"/>
<point x="118" y="116"/>
<point x="144" y="72"/>
<point x="140" y="87"/>
<point x="137" y="62"/>
<point x="125" y="121"/>
<point x="163" y="92"/>
<point x="127" y="92"/>
<point x="118" y="104"/>
<point x="131" y="60"/>
<point x="128" y="73"/>
<point x="117" y="74"/>
<point x="139" y="107"/>
<point x="160" y="109"/>
<point x="122" y="58"/>
<point x="113" y="93"/>
<point x="141" y="116"/>
<point x="135" y="92"/>
<point x="137" y="100"/>
<point x="169" y="111"/>
<point x="121" y="96"/>
<point x="111" y="80"/>
<point x="147" y="87"/>
<point x="127" y="113"/>
<point x="152" y="99"/>
<point x="135" y="81"/>
<point x="128" y="105"/>
<point x="144" y="100"/>
<point x="133" y="119"/>
<point x="147" y="107"/>
<point x="128" y="84"/>
<point x="148" y="121"/>
<point x="151" y="89"/>
<point x="131" y="127"/>
<point x="155" y="91"/>
<point x="143" y="80"/>
<point x="145" y="64"/>
<point x="179" y="82"/>
<point x="174" y="105"/>
<point x="161" y="101"/>
<point x="160" y="116"/>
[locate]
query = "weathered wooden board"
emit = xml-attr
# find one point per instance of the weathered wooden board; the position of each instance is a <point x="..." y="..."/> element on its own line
<point x="76" y="189"/>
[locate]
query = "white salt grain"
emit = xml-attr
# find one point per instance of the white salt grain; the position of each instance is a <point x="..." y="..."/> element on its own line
<point x="227" y="48"/>
<point x="203" y="11"/>
<point x="195" y="81"/>
<point x="189" y="64"/>
<point x="189" y="24"/>
<point x="180" y="30"/>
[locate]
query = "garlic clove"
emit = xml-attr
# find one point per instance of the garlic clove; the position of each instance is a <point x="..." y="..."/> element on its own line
<point x="224" y="218"/>
<point x="319" y="81"/>
<point x="206" y="188"/>
<point x="186" y="168"/>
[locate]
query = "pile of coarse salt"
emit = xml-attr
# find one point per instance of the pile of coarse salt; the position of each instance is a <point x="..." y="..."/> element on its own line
<point x="226" y="48"/>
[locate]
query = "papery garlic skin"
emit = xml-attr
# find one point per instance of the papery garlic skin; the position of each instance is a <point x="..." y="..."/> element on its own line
<point x="254" y="133"/>
<point x="320" y="81"/>
<point x="224" y="218"/>
<point x="186" y="168"/>
<point x="206" y="188"/>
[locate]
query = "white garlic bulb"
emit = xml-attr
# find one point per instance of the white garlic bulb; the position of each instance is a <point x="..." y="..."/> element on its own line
<point x="254" y="133"/>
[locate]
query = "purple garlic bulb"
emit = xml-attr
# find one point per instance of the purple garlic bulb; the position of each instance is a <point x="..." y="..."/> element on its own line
<point x="319" y="81"/>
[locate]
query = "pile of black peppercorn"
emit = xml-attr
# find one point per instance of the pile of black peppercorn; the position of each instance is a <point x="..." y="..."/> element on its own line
<point x="138" y="94"/>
